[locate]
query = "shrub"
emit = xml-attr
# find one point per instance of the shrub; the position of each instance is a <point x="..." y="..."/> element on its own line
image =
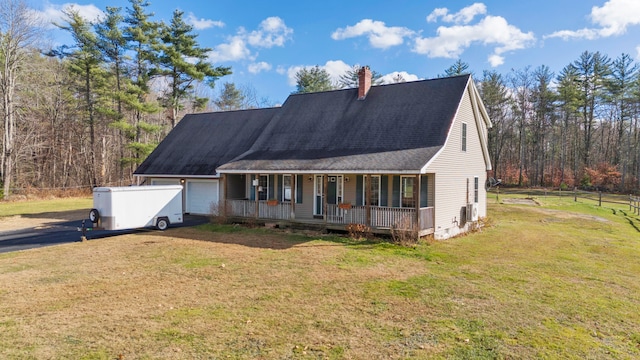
<point x="403" y="233"/>
<point x="359" y="231"/>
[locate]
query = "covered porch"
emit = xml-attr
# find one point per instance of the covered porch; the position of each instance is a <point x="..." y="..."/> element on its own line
<point x="381" y="202"/>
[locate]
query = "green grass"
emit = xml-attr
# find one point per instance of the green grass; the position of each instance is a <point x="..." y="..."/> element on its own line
<point x="556" y="281"/>
<point x="11" y="208"/>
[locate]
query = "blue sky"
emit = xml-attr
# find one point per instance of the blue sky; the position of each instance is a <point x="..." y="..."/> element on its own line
<point x="267" y="42"/>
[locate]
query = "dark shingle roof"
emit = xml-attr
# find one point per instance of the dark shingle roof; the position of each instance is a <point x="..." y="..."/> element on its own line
<point x="200" y="143"/>
<point x="396" y="127"/>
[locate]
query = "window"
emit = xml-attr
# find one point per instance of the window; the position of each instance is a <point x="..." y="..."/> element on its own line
<point x="406" y="192"/>
<point x="464" y="136"/>
<point x="286" y="187"/>
<point x="263" y="187"/>
<point x="375" y="190"/>
<point x="475" y="189"/>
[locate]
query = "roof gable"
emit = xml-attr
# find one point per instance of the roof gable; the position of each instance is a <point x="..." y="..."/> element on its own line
<point x="200" y="143"/>
<point x="335" y="124"/>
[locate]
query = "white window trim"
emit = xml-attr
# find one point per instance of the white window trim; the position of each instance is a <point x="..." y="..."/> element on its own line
<point x="464" y="136"/>
<point x="365" y="188"/>
<point x="291" y="188"/>
<point x="476" y="189"/>
<point x="402" y="189"/>
<point x="265" y="188"/>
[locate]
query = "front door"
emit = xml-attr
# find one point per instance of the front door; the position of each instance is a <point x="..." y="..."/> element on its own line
<point x="318" y="199"/>
<point x="334" y="192"/>
<point x="334" y="189"/>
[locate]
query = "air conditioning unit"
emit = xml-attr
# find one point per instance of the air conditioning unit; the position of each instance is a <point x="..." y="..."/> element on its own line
<point x="472" y="212"/>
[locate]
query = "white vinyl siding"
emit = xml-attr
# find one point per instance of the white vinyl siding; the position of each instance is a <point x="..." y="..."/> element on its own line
<point x="454" y="174"/>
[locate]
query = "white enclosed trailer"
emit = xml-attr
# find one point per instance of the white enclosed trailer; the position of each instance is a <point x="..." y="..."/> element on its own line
<point x="129" y="207"/>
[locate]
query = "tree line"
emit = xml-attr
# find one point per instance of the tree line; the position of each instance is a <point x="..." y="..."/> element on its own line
<point x="87" y="113"/>
<point x="577" y="128"/>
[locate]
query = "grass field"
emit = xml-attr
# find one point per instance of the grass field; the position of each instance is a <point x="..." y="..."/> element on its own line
<point x="560" y="280"/>
<point x="44" y="206"/>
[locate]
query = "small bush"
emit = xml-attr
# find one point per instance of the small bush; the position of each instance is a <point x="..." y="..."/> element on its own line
<point x="359" y="231"/>
<point x="403" y="233"/>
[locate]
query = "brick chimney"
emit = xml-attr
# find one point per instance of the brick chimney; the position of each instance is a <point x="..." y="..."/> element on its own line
<point x="364" y="82"/>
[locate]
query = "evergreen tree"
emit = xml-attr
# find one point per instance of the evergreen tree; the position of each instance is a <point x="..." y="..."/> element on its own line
<point x="313" y="79"/>
<point x="458" y="68"/>
<point x="142" y="38"/>
<point x="113" y="45"/>
<point x="495" y="96"/>
<point x="621" y="95"/>
<point x="231" y="98"/>
<point x="85" y="62"/>
<point x="592" y="70"/>
<point x="568" y="97"/>
<point x="183" y="62"/>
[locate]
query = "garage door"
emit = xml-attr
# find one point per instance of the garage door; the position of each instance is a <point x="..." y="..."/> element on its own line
<point x="202" y="195"/>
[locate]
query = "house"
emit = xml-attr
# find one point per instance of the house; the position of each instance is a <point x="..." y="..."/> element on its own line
<point x="410" y="155"/>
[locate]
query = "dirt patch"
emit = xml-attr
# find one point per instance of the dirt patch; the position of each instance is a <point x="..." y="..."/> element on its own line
<point x="560" y="214"/>
<point x="525" y="201"/>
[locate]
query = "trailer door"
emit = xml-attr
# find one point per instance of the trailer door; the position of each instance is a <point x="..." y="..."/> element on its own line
<point x="202" y="196"/>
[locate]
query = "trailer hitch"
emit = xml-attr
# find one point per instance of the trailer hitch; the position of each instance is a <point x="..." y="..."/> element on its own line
<point x="84" y="230"/>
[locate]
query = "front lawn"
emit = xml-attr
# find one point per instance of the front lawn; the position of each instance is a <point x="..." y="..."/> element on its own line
<point x="559" y="280"/>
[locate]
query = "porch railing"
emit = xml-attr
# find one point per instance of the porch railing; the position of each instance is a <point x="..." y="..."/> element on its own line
<point x="380" y="216"/>
<point x="266" y="209"/>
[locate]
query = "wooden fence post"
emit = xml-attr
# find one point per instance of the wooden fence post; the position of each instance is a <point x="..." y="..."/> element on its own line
<point x="600" y="198"/>
<point x="575" y="194"/>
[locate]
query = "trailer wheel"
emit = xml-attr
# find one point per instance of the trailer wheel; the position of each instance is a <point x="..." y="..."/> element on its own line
<point x="94" y="215"/>
<point x="162" y="223"/>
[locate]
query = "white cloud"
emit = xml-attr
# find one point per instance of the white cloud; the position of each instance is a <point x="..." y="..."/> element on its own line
<point x="271" y="32"/>
<point x="391" y="78"/>
<point x="463" y="16"/>
<point x="613" y="18"/>
<point x="54" y="13"/>
<point x="638" y="52"/>
<point x="495" y="31"/>
<point x="234" y="50"/>
<point x="201" y="24"/>
<point x="335" y="69"/>
<point x="496" y="60"/>
<point x="380" y="36"/>
<point x="256" y="68"/>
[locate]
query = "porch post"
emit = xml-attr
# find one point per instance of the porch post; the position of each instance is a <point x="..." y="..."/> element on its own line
<point x="294" y="195"/>
<point x="325" y="197"/>
<point x="416" y="199"/>
<point x="224" y="194"/>
<point x="257" y="195"/>
<point x="367" y="189"/>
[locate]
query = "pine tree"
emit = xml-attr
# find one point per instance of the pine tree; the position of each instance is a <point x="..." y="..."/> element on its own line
<point x="85" y="62"/>
<point x="313" y="79"/>
<point x="183" y="62"/>
<point x="231" y="98"/>
<point x="142" y="35"/>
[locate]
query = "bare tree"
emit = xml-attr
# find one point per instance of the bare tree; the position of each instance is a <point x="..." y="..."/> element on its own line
<point x="19" y="31"/>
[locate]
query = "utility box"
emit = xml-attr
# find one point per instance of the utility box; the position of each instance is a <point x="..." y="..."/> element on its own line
<point x="130" y="207"/>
